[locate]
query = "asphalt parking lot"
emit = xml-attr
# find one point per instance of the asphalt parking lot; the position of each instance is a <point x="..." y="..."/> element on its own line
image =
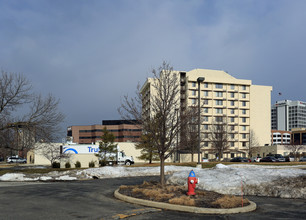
<point x="93" y="199"/>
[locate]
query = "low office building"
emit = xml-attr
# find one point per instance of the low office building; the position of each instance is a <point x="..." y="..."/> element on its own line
<point x="280" y="137"/>
<point x="123" y="130"/>
<point x="299" y="136"/>
<point x="40" y="155"/>
<point x="284" y="150"/>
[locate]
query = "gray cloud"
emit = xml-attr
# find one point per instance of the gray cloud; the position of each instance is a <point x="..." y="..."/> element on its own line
<point x="91" y="53"/>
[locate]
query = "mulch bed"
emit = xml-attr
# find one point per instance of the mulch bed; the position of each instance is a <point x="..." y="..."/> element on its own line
<point x="177" y="195"/>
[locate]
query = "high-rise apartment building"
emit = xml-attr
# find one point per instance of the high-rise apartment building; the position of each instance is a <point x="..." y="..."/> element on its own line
<point x="287" y="114"/>
<point x="244" y="106"/>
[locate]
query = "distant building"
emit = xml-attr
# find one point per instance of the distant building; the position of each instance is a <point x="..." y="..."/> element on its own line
<point x="280" y="137"/>
<point x="123" y="130"/>
<point x="287" y="114"/>
<point x="299" y="136"/>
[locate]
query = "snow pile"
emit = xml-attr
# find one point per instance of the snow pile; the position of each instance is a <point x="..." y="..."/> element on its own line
<point x="112" y="172"/>
<point x="16" y="177"/>
<point x="254" y="180"/>
<point x="277" y="181"/>
<point x="66" y="177"/>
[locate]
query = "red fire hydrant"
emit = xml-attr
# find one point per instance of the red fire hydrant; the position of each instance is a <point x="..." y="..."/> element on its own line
<point x="192" y="181"/>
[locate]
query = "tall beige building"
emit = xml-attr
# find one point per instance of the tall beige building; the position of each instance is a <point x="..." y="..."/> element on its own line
<point x="245" y="107"/>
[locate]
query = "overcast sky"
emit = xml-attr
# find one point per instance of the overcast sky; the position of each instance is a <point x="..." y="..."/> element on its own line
<point x="89" y="54"/>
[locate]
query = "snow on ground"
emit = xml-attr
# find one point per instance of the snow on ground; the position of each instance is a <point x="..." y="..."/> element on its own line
<point x="286" y="182"/>
<point x="278" y="181"/>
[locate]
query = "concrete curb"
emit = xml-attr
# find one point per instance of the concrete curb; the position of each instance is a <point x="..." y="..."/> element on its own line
<point x="182" y="208"/>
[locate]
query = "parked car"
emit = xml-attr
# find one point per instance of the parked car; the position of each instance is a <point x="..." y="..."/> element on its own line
<point x="240" y="159"/>
<point x="205" y="160"/>
<point x="255" y="159"/>
<point x="268" y="159"/>
<point x="16" y="160"/>
<point x="303" y="159"/>
<point x="278" y="157"/>
<point x="226" y="159"/>
<point x="289" y="158"/>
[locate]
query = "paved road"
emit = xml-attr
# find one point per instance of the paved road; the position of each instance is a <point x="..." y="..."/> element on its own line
<point x="94" y="199"/>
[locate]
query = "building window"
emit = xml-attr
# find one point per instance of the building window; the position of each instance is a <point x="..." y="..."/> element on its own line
<point x="205" y="110"/>
<point x="243" y="127"/>
<point x="193" y="84"/>
<point x="232" y="127"/>
<point x="243" y="144"/>
<point x="243" y="103"/>
<point x="205" y="118"/>
<point x="243" y="136"/>
<point x="193" y="92"/>
<point x="232" y="111"/>
<point x="205" y="143"/>
<point x="219" y="110"/>
<point x="232" y="119"/>
<point x="243" y="111"/>
<point x="232" y="94"/>
<point x="243" y="120"/>
<point x="205" y="85"/>
<point x="193" y="101"/>
<point x="206" y="93"/>
<point x="243" y="87"/>
<point x="232" y="86"/>
<point x="205" y="101"/>
<point x="219" y="102"/>
<point x="232" y="136"/>
<point x="205" y="127"/>
<point x="232" y="103"/>
<point x="219" y="86"/>
<point x="243" y="95"/>
<point x="232" y="144"/>
<point x="219" y="94"/>
<point x="219" y="119"/>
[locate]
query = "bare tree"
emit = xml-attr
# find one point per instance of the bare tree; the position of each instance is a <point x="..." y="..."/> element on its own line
<point x="51" y="152"/>
<point x="189" y="131"/>
<point x="40" y="122"/>
<point x="219" y="136"/>
<point x="161" y="122"/>
<point x="131" y="107"/>
<point x="294" y="149"/>
<point x="253" y="143"/>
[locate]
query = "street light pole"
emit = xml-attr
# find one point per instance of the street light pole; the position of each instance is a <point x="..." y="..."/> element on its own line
<point x="177" y="121"/>
<point x="199" y="80"/>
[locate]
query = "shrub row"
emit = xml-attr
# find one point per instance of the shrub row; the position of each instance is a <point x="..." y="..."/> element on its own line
<point x="68" y="165"/>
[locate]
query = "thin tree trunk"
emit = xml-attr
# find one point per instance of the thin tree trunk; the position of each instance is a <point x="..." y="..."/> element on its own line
<point x="162" y="171"/>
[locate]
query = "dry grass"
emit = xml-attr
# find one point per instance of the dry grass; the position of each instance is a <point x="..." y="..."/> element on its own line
<point x="183" y="200"/>
<point x="156" y="194"/>
<point x="177" y="195"/>
<point x="228" y="201"/>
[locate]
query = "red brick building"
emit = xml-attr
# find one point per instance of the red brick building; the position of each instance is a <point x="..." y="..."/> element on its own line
<point x="123" y="130"/>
